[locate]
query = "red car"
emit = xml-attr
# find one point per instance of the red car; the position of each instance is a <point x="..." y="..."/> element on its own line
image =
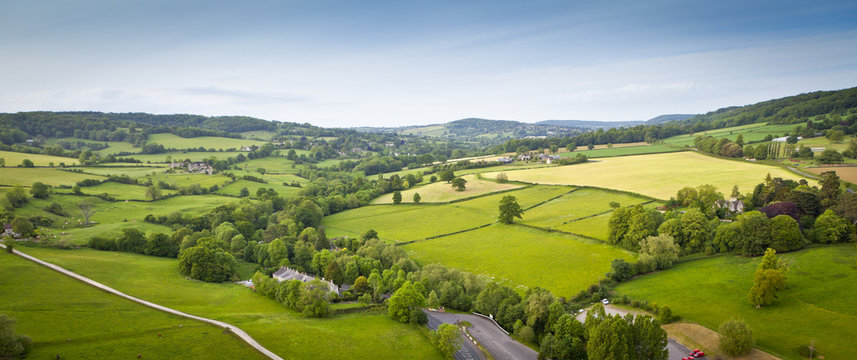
<point x="696" y="354"/>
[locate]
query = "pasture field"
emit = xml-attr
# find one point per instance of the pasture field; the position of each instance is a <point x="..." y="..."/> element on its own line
<point x="818" y="304"/>
<point x="409" y="222"/>
<point x="623" y="151"/>
<point x="271" y="164"/>
<point x="657" y="175"/>
<point x="182" y="155"/>
<point x="171" y="141"/>
<point x="185" y="179"/>
<point x="113" y="147"/>
<point x="357" y="336"/>
<point x="234" y="189"/>
<point x="112" y="217"/>
<point x="68" y="318"/>
<point x="823" y="142"/>
<point x="575" y="205"/>
<point x="751" y="133"/>
<point x="263" y="135"/>
<point x="122" y="191"/>
<point x="131" y="171"/>
<point x="517" y="255"/>
<point x="48" y="176"/>
<point x="594" y="227"/>
<point x="14" y="159"/>
<point x="441" y="191"/>
<point x="329" y="163"/>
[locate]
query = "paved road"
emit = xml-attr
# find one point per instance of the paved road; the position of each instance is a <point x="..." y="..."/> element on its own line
<point x="467" y="351"/>
<point x="235" y="330"/>
<point x="498" y="343"/>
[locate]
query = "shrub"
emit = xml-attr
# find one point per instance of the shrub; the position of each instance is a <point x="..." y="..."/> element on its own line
<point x="736" y="338"/>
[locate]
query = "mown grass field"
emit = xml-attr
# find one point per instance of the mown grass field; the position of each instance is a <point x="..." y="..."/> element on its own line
<point x="441" y="191"/>
<point x="623" y="151"/>
<point x="48" y="176"/>
<point x="122" y="191"/>
<point x="271" y="164"/>
<point x="751" y="133"/>
<point x="65" y="317"/>
<point x="657" y="175"/>
<point x="517" y="255"/>
<point x="13" y="159"/>
<point x="132" y="171"/>
<point x="171" y="141"/>
<point x="594" y="227"/>
<point x="234" y="189"/>
<point x="409" y="222"/>
<point x="575" y="205"/>
<point x="186" y="179"/>
<point x="848" y="174"/>
<point x="258" y="135"/>
<point x="353" y="336"/>
<point x="818" y="304"/>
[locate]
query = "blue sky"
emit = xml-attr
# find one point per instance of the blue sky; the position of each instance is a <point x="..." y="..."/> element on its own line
<point x="390" y="63"/>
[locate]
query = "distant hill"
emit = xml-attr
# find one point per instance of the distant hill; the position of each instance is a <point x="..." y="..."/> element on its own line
<point x="481" y="131"/>
<point x="591" y="124"/>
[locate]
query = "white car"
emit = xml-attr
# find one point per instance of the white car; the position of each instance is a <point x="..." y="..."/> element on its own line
<point x="605" y="301"/>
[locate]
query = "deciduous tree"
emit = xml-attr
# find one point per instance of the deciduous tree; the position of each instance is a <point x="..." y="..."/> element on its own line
<point x="509" y="209"/>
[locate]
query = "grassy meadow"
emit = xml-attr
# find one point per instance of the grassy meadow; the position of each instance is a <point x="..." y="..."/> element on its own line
<point x="183" y="155"/>
<point x="441" y="191"/>
<point x="234" y="189"/>
<point x="292" y="336"/>
<point x="517" y="255"/>
<point x="65" y="317"/>
<point x="53" y="177"/>
<point x="657" y="175"/>
<point x="15" y="158"/>
<point x="121" y="191"/>
<point x="171" y="141"/>
<point x="751" y="133"/>
<point x="271" y="164"/>
<point x="818" y="304"/>
<point x="409" y="222"/>
<point x="131" y="171"/>
<point x="622" y="151"/>
<point x="584" y="202"/>
<point x="113" y="147"/>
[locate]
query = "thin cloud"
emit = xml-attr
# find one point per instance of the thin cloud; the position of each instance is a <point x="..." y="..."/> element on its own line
<point x="242" y="95"/>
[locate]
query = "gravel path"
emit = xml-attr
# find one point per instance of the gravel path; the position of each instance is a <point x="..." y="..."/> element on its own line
<point x="235" y="330"/>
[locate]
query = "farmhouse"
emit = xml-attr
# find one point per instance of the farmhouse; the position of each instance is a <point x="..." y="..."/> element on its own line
<point x="286" y="273"/>
<point x="7" y="231"/>
<point x="194" y="167"/>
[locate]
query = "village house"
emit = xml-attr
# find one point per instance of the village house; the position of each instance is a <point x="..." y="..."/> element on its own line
<point x="194" y="167"/>
<point x="7" y="231"/>
<point x="286" y="273"/>
<point x="733" y="205"/>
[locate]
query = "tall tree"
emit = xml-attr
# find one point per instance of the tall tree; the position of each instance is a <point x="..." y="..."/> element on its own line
<point x="768" y="279"/>
<point x="736" y="338"/>
<point x="509" y="209"/>
<point x="458" y="184"/>
<point x="39" y="190"/>
<point x="447" y="338"/>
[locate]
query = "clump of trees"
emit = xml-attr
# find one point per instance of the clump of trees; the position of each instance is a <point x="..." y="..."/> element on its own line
<point x="736" y="338"/>
<point x="447" y="338"/>
<point x="208" y="261"/>
<point x="12" y="345"/>
<point x="311" y="299"/>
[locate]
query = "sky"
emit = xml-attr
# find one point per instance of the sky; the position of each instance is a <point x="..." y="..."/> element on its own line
<point x="395" y="63"/>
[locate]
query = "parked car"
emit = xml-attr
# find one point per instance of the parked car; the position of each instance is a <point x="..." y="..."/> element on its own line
<point x="696" y="354"/>
<point x="605" y="301"/>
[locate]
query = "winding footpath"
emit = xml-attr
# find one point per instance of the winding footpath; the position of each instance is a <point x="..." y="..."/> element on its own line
<point x="235" y="330"/>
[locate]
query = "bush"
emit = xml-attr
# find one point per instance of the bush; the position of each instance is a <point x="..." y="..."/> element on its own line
<point x="736" y="338"/>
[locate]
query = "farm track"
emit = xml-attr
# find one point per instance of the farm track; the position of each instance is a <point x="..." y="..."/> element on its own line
<point x="234" y="329"/>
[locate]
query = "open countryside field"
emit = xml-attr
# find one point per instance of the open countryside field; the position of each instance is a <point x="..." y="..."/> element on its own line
<point x="818" y="304"/>
<point x="442" y="191"/>
<point x="517" y="255"/>
<point x="409" y="222"/>
<point x="234" y="189"/>
<point x="122" y="191"/>
<point x="53" y="177"/>
<point x="848" y="174"/>
<point x="131" y="171"/>
<point x="186" y="179"/>
<point x="263" y="135"/>
<point x="171" y="141"/>
<point x="271" y="164"/>
<point x="751" y="133"/>
<point x="113" y="147"/>
<point x="657" y="175"/>
<point x="622" y="151"/>
<point x="580" y="203"/>
<point x="182" y="155"/>
<point x="15" y="158"/>
<point x="75" y="321"/>
<point x="355" y="336"/>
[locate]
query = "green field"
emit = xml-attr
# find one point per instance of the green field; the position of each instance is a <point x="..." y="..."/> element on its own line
<point x="657" y="175"/>
<point x="518" y="255"/>
<point x="113" y="147"/>
<point x="751" y="133"/>
<point x="818" y="304"/>
<point x="53" y="177"/>
<point x="121" y="191"/>
<point x="15" y="158"/>
<point x="409" y="222"/>
<point x="355" y="336"/>
<point x="171" y="141"/>
<point x="623" y="151"/>
<point x="186" y="179"/>
<point x="182" y="155"/>
<point x="594" y="227"/>
<point x="263" y="135"/>
<point x="234" y="189"/>
<point x="68" y="318"/>
<point x="577" y="204"/>
<point x="442" y="191"/>
<point x="132" y="171"/>
<point x="271" y="164"/>
<point x="112" y="217"/>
